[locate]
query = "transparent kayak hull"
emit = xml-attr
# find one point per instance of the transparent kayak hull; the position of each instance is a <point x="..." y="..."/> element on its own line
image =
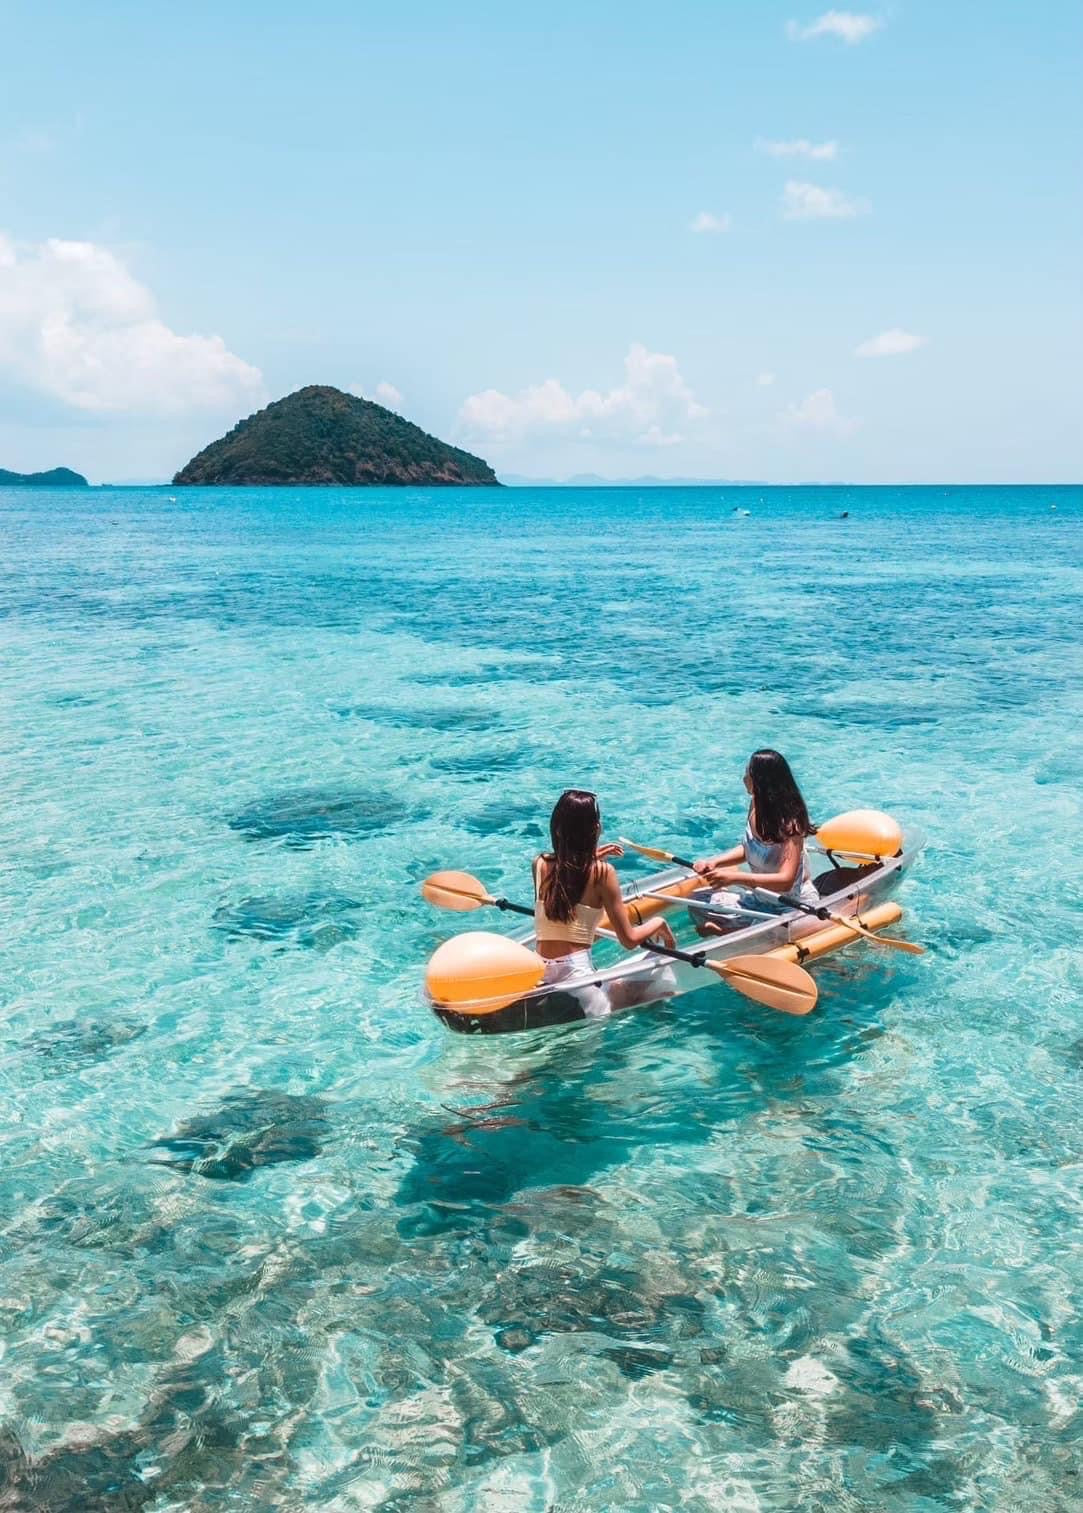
<point x="640" y="977"/>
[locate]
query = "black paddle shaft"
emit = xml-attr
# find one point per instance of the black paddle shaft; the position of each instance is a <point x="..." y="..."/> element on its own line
<point x="795" y="903"/>
<point x="508" y="906"/>
<point x="694" y="958"/>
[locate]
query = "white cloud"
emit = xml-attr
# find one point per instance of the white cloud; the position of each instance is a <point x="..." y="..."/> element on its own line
<point x="706" y="221"/>
<point x="811" y="202"/>
<point x="800" y="147"/>
<point x="654" y="436"/>
<point x="384" y="393"/>
<point x="845" y="25"/>
<point x="818" y="413"/>
<point x="75" y="324"/>
<point x="764" y="380"/>
<point x="891" y="343"/>
<point x="648" y="407"/>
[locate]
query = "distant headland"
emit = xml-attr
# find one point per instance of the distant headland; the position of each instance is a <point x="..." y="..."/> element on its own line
<point x="55" y="478"/>
<point x="319" y="435"/>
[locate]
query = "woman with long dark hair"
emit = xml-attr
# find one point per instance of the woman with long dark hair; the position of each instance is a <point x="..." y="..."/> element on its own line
<point x="773" y="850"/>
<point x="574" y="885"/>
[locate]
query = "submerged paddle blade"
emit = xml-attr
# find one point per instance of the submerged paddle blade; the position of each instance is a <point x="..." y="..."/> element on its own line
<point x="856" y="923"/>
<point x="778" y="984"/>
<point x="481" y="972"/>
<point x="892" y="941"/>
<point x="454" y="890"/>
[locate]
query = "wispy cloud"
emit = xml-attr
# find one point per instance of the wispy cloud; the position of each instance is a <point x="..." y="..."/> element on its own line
<point x="812" y="202"/>
<point x="764" y="380"/>
<point x="648" y="407"/>
<point x="801" y="147"/>
<point x="75" y="324"/>
<point x="891" y="343"/>
<point x="385" y="393"/>
<point x="847" y="26"/>
<point x="819" y="413"/>
<point x="654" y="436"/>
<point x="708" y="222"/>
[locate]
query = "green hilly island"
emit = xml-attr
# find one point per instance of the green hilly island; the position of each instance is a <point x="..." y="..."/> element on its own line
<point x="319" y="435"/>
<point x="55" y="478"/>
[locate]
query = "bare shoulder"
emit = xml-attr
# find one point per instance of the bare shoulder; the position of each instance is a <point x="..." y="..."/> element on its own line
<point x="606" y="875"/>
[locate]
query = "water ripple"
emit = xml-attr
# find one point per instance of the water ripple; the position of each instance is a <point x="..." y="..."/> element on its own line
<point x="270" y="1239"/>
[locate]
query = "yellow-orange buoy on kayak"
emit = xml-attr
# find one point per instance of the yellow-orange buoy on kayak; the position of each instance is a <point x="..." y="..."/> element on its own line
<point x="482" y="971"/>
<point x="866" y="834"/>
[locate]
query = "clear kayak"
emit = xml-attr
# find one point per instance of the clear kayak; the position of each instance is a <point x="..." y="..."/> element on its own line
<point x="641" y="977"/>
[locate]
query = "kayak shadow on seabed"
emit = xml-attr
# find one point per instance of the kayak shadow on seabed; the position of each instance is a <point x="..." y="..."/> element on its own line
<point x="573" y="1102"/>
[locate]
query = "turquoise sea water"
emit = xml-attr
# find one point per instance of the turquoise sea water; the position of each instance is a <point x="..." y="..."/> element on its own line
<point x="271" y="1237"/>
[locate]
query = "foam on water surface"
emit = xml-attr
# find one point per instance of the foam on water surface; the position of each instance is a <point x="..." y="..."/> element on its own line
<point x="272" y="1238"/>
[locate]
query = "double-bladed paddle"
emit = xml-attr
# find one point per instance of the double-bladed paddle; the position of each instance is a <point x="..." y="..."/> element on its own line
<point x="779" y="984"/>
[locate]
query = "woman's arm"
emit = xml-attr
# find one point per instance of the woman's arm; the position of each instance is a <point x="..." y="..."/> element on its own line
<point x="723" y="859"/>
<point x="627" y="933"/>
<point x="725" y="876"/>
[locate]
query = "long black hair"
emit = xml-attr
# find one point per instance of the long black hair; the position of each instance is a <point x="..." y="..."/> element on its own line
<point x="776" y="799"/>
<point x="574" y="827"/>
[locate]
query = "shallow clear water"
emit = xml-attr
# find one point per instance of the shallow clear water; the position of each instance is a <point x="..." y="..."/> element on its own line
<point x="271" y="1237"/>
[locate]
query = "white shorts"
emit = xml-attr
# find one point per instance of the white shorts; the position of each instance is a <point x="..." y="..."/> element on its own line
<point x="739" y="908"/>
<point x="595" y="1001"/>
<point x="743" y="901"/>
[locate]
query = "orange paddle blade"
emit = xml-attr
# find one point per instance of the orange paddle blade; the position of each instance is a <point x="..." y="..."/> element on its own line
<point x="891" y="941"/>
<point x="854" y="922"/>
<point x="791" y="989"/>
<point x="455" y="890"/>
<point x="653" y="852"/>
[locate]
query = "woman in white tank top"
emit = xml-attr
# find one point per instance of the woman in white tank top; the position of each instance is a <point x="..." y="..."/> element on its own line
<point x="773" y="850"/>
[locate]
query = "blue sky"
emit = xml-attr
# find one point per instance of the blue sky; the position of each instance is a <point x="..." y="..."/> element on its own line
<point x="775" y="241"/>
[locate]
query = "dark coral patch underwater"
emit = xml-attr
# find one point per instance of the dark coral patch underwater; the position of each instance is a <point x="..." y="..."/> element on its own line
<point x="479" y="764"/>
<point x="253" y="1127"/>
<point x="303" y="816"/>
<point x="72" y="1044"/>
<point x="314" y="921"/>
<point x="450" y="718"/>
<point x="504" y="816"/>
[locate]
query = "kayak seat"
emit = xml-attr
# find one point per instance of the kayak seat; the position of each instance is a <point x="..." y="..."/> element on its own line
<point x="841" y="877"/>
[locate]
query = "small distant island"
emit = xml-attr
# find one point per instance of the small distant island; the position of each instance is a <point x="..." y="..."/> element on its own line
<point x="55" y="478"/>
<point x="319" y="435"/>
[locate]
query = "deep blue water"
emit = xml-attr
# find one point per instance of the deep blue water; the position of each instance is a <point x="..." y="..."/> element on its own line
<point x="270" y="1237"/>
